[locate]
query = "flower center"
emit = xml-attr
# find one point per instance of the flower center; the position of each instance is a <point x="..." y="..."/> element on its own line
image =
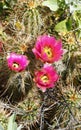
<point x="48" y="51"/>
<point x="15" y="65"/>
<point x="45" y="78"/>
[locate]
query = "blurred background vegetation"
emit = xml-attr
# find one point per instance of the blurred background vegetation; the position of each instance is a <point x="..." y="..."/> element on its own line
<point x="21" y="22"/>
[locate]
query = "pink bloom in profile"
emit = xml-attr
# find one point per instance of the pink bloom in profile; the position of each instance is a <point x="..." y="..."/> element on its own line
<point x="17" y="62"/>
<point x="46" y="77"/>
<point x="48" y="49"/>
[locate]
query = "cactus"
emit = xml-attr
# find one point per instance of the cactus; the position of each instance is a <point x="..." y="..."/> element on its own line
<point x="58" y="107"/>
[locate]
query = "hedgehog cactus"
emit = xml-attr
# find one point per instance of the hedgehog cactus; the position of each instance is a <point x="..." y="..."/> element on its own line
<point x="68" y="115"/>
<point x="29" y="19"/>
<point x="30" y="62"/>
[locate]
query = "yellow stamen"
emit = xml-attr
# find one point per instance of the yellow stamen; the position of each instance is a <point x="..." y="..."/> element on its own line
<point x="44" y="78"/>
<point x="48" y="51"/>
<point x="15" y="65"/>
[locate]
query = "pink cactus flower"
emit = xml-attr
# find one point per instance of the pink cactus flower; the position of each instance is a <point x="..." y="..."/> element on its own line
<point x="48" y="49"/>
<point x="17" y="62"/>
<point x="46" y="77"/>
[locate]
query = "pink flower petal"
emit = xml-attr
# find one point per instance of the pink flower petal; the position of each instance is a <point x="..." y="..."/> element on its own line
<point x="49" y="42"/>
<point x="17" y="62"/>
<point x="49" y="77"/>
